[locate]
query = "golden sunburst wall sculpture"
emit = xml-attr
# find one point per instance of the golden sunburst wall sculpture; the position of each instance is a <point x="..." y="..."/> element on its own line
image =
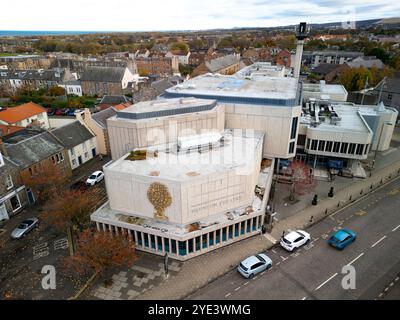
<point x="160" y="198"/>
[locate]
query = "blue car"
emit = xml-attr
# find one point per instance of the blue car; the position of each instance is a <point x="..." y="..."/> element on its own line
<point x="342" y="238"/>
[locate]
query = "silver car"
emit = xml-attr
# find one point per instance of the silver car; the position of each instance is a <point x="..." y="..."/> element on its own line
<point x="254" y="264"/>
<point x="24" y="227"/>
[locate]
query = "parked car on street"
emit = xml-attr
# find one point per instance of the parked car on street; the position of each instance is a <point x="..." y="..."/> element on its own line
<point x="50" y="111"/>
<point x="342" y="238"/>
<point x="249" y="267"/>
<point x="58" y="112"/>
<point x="24" y="227"/>
<point x="94" y="178"/>
<point x="71" y="113"/>
<point x="65" y="111"/>
<point x="295" y="240"/>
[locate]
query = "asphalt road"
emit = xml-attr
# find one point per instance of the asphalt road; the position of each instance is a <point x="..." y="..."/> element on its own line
<point x="315" y="271"/>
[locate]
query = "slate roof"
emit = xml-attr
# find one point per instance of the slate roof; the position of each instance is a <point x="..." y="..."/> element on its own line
<point x="72" y="134"/>
<point x="33" y="149"/>
<point x="103" y="74"/>
<point x="366" y="62"/>
<point x="222" y="62"/>
<point x="101" y="116"/>
<point x="43" y="75"/>
<point x="113" y="100"/>
<point x="325" y="68"/>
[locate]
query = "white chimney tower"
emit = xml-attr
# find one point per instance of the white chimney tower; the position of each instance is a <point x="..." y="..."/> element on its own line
<point x="301" y="34"/>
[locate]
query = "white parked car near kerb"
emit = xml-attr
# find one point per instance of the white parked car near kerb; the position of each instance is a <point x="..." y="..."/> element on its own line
<point x="254" y="264"/>
<point x="95" y="177"/>
<point x="294" y="240"/>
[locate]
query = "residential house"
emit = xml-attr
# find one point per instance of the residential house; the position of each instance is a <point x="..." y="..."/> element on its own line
<point x="111" y="101"/>
<point x="157" y="65"/>
<point x="329" y="72"/>
<point x="223" y="65"/>
<point x="283" y="58"/>
<point x="142" y="53"/>
<point x="314" y="58"/>
<point x="72" y="87"/>
<point x="37" y="79"/>
<point x="102" y="81"/>
<point x="366" y="62"/>
<point x="13" y="194"/>
<point x="24" y="115"/>
<point x="183" y="57"/>
<point x="96" y="122"/>
<point x="79" y="141"/>
<point x="37" y="153"/>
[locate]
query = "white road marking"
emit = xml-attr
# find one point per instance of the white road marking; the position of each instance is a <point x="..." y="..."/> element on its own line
<point x="278" y="263"/>
<point x="283" y="258"/>
<point x="255" y="277"/>
<point x="246" y="283"/>
<point x="381" y="239"/>
<point x="396" y="228"/>
<point x="322" y="284"/>
<point x="237" y="288"/>
<point x="262" y="273"/>
<point x="273" y="251"/>
<point x="270" y="238"/>
<point x="355" y="259"/>
<point x="304" y="298"/>
<point x="61" y="244"/>
<point x="228" y="294"/>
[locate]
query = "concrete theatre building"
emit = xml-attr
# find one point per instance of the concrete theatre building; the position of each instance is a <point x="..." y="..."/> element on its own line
<point x="188" y="197"/>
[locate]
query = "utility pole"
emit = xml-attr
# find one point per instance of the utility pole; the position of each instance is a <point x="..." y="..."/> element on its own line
<point x="382" y="83"/>
<point x="365" y="89"/>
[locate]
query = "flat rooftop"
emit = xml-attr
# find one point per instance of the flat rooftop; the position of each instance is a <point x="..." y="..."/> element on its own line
<point x="107" y="215"/>
<point x="262" y="69"/>
<point x="324" y="88"/>
<point x="259" y="90"/>
<point x="350" y="120"/>
<point x="165" y="107"/>
<point x="236" y="152"/>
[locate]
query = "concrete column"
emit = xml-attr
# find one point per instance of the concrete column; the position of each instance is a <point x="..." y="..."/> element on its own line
<point x="208" y="240"/>
<point x="142" y="236"/>
<point x="240" y="228"/>
<point x="135" y="236"/>
<point x="245" y="226"/>
<point x="149" y="240"/>
<point x="97" y="226"/>
<point x="187" y="247"/>
<point x="104" y="227"/>
<point x="156" y="240"/>
<point x="163" y="244"/>
<point x="215" y="238"/>
<point x="251" y="224"/>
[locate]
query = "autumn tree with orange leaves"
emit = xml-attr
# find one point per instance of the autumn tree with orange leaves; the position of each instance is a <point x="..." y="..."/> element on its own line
<point x="69" y="211"/>
<point x="99" y="251"/>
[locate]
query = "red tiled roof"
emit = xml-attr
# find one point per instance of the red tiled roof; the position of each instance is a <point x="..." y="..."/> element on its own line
<point x="6" y="129"/>
<point x="21" y="112"/>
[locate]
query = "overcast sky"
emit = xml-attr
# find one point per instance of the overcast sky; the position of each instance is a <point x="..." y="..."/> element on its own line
<point x="140" y="15"/>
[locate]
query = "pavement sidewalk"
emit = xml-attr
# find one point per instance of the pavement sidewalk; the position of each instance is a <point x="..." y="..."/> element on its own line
<point x="201" y="270"/>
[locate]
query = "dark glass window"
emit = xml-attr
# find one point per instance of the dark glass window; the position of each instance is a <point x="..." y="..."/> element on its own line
<point x="294" y="128"/>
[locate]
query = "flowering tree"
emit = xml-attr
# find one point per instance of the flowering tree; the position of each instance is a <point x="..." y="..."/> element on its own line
<point x="302" y="179"/>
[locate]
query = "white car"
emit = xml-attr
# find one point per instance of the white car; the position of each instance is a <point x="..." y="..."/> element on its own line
<point x="95" y="177"/>
<point x="294" y="240"/>
<point x="24" y="227"/>
<point x="254" y="264"/>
